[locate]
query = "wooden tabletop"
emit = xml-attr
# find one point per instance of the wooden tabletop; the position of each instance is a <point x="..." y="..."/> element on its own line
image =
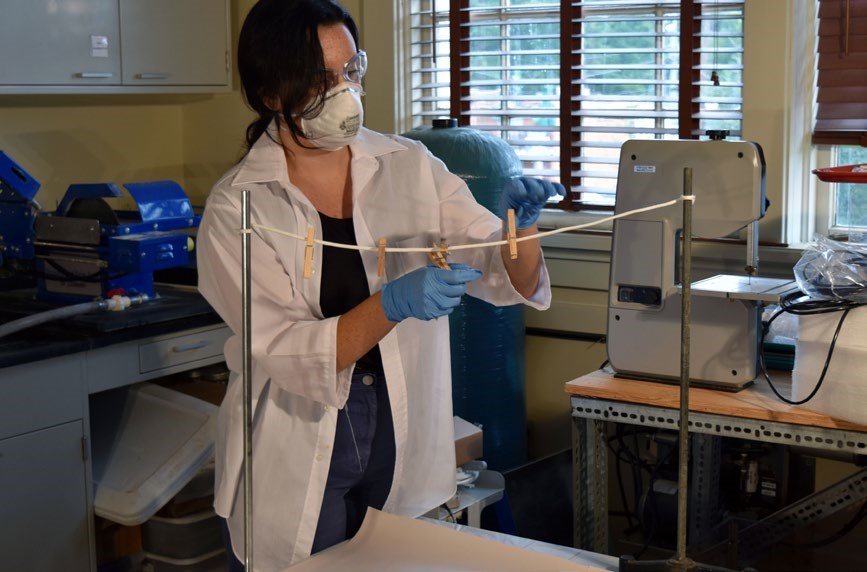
<point x="755" y="402"/>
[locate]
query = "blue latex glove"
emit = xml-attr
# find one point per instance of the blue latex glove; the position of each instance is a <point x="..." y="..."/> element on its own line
<point x="527" y="196"/>
<point x="426" y="293"/>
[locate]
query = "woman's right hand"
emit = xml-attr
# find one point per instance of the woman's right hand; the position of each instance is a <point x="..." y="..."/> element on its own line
<point x="427" y="293"/>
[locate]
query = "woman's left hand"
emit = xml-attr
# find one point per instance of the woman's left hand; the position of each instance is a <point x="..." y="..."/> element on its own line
<point x="527" y="196"/>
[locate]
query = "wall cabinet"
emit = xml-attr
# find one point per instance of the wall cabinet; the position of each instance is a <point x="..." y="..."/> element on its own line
<point x="115" y="46"/>
<point x="60" y="43"/>
<point x="174" y="42"/>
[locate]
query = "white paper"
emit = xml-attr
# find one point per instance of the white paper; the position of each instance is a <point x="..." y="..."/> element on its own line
<point x="389" y="543"/>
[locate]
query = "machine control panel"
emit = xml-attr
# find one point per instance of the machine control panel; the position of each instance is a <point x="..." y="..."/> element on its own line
<point x="647" y="295"/>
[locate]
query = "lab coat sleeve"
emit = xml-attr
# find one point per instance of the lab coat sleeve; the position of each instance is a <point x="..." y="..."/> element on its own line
<point x="297" y="351"/>
<point x="465" y="221"/>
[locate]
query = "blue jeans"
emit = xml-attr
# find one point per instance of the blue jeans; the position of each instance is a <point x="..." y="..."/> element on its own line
<point x="362" y="465"/>
<point x="362" y="461"/>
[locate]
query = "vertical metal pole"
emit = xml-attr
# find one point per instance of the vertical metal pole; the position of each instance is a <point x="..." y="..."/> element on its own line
<point x="247" y="377"/>
<point x="686" y="306"/>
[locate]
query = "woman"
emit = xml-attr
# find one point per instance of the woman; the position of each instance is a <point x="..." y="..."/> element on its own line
<point x="351" y="376"/>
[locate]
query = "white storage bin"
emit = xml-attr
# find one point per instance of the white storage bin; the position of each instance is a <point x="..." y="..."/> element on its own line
<point x="843" y="394"/>
<point x="200" y="486"/>
<point x="148" y="442"/>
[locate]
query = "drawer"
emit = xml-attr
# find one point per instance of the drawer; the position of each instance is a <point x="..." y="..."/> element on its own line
<point x="183" y="349"/>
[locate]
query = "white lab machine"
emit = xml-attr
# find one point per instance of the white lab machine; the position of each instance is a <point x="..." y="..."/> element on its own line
<point x="644" y="307"/>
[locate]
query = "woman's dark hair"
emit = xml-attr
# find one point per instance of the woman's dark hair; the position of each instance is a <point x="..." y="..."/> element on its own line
<point x="280" y="58"/>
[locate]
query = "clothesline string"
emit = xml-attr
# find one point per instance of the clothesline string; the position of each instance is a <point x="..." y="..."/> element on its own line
<point x="450" y="247"/>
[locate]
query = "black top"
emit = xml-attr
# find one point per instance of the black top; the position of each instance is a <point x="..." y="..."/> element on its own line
<point x="344" y="281"/>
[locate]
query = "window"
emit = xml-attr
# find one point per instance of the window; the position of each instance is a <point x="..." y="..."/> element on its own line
<point x="567" y="82"/>
<point x="849" y="208"/>
<point x="841" y="106"/>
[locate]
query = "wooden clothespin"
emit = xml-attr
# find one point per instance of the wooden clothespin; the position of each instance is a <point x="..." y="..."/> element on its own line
<point x="438" y="255"/>
<point x="308" y="253"/>
<point x="513" y="234"/>
<point x="380" y="269"/>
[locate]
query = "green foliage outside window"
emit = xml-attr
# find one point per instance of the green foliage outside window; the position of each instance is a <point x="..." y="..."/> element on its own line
<point x="851" y="198"/>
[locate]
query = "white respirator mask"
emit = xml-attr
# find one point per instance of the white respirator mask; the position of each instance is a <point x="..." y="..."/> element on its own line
<point x="339" y="120"/>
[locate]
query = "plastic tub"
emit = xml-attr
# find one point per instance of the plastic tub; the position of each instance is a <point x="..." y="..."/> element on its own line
<point x="184" y="537"/>
<point x="196" y="496"/>
<point x="212" y="562"/>
<point x="148" y="443"/>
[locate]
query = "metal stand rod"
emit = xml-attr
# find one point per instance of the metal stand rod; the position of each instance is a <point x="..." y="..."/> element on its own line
<point x="686" y="307"/>
<point x="247" y="377"/>
<point x="680" y="563"/>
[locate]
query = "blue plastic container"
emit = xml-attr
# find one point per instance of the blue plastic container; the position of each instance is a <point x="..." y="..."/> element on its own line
<point x="487" y="342"/>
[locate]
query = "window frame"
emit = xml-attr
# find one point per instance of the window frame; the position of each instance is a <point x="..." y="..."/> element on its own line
<point x="836" y="121"/>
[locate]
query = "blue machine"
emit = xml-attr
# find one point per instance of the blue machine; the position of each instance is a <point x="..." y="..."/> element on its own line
<point x="85" y="249"/>
<point x="18" y="210"/>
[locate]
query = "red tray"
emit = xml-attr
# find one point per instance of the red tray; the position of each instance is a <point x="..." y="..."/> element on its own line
<point x="844" y="174"/>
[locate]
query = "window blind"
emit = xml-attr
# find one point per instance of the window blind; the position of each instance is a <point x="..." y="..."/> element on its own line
<point x="841" y="100"/>
<point x="566" y="82"/>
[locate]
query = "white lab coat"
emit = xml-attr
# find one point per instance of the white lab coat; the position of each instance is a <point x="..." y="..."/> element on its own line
<point x="405" y="195"/>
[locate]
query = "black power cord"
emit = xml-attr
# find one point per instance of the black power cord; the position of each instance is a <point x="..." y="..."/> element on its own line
<point x="451" y="514"/>
<point x="648" y="529"/>
<point x="631" y="459"/>
<point x="791" y="304"/>
<point x="624" y="454"/>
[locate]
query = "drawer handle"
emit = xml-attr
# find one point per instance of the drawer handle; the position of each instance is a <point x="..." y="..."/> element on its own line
<point x="153" y="75"/>
<point x="190" y="347"/>
<point x="95" y="75"/>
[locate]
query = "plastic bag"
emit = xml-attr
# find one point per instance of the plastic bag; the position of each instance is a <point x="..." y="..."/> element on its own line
<point x="832" y="270"/>
<point x="784" y="328"/>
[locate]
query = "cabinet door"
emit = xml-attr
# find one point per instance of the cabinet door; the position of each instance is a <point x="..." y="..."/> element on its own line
<point x="59" y="42"/>
<point x="174" y="42"/>
<point x="43" y="501"/>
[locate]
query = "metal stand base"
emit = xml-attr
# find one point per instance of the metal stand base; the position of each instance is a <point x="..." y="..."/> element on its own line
<point x="671" y="565"/>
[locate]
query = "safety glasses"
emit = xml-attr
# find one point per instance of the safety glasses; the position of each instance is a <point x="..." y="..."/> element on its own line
<point x="356" y="67"/>
<point x="353" y="70"/>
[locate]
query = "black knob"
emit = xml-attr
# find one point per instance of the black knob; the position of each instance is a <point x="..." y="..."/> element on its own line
<point x="444" y="122"/>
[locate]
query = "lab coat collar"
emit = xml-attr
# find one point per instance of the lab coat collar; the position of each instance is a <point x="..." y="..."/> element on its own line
<point x="372" y="144"/>
<point x="265" y="162"/>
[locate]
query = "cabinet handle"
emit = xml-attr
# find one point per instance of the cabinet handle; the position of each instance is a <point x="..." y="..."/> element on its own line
<point x="190" y="347"/>
<point x="153" y="75"/>
<point x="94" y="75"/>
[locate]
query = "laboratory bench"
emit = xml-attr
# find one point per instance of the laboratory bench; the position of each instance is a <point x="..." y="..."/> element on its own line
<point x="753" y="414"/>
<point x="47" y="377"/>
